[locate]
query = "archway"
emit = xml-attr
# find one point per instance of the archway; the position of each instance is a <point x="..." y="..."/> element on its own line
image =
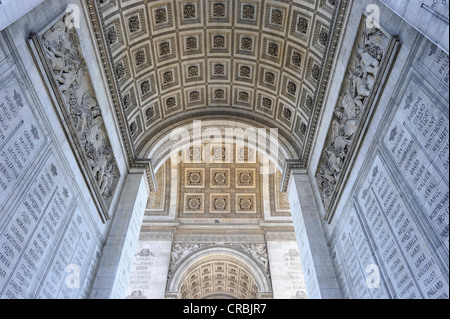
<point x="270" y="141"/>
<point x="219" y="272"/>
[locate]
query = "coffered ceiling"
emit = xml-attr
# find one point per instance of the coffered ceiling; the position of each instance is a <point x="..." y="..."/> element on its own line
<point x="221" y="279"/>
<point x="260" y="60"/>
<point x="228" y="185"/>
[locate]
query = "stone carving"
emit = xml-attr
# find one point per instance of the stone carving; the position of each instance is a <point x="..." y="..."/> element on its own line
<point x="112" y="35"/>
<point x="315" y="72"/>
<point x="219" y="41"/>
<point x="194" y="154"/>
<point x="246" y="43"/>
<point x="287" y="113"/>
<point x="120" y="70"/>
<point x="296" y="59"/>
<point x="245" y="71"/>
<point x="145" y="252"/>
<point x="309" y="102"/>
<point x="127" y="101"/>
<point x="302" y="25"/>
<point x="219" y="10"/>
<point x="256" y="251"/>
<point x="219" y="69"/>
<point x="266" y="103"/>
<point x="243" y="96"/>
<point x="145" y="87"/>
<point x="219" y="94"/>
<point x="193" y="71"/>
<point x="248" y="12"/>
<point x="323" y="37"/>
<point x="134" y="24"/>
<point x="158" y="199"/>
<point x="160" y="16"/>
<point x="269" y="77"/>
<point x="68" y="67"/>
<point x="150" y="112"/>
<point x="140" y="57"/>
<point x="194" y="203"/>
<point x="194" y="96"/>
<point x="171" y="102"/>
<point x="291" y="88"/>
<point x="170" y="144"/>
<point x="195" y="177"/>
<point x="260" y="15"/>
<point x="164" y="48"/>
<point x="299" y="295"/>
<point x="189" y="11"/>
<point x="191" y="43"/>
<point x="358" y="86"/>
<point x="220" y="178"/>
<point x="277" y="17"/>
<point x="245" y="178"/>
<point x="272" y="49"/>
<point x="220" y="203"/>
<point x="245" y="203"/>
<point x="181" y="251"/>
<point x="167" y="77"/>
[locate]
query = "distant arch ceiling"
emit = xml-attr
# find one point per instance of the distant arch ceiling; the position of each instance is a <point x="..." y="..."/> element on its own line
<point x="191" y="269"/>
<point x="257" y="60"/>
<point x="270" y="143"/>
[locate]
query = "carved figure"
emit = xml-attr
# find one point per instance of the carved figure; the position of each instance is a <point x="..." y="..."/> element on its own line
<point x="55" y="58"/>
<point x="67" y="77"/>
<point x="369" y="64"/>
<point x="61" y="46"/>
<point x="347" y="113"/>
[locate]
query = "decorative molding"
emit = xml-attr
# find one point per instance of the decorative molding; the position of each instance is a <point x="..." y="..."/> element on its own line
<point x="340" y="10"/>
<point x="279" y="201"/>
<point x="289" y="165"/>
<point x="280" y="234"/>
<point x="214" y="237"/>
<point x="156" y="235"/>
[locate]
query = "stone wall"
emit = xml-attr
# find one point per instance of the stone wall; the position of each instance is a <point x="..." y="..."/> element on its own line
<point x="389" y="235"/>
<point x="52" y="232"/>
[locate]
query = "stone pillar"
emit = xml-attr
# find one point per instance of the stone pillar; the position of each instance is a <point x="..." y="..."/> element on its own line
<point x="148" y="276"/>
<point x="314" y="252"/>
<point x="118" y="253"/>
<point x="285" y="267"/>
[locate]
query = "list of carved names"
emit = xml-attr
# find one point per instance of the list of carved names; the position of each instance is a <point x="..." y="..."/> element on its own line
<point x="37" y="241"/>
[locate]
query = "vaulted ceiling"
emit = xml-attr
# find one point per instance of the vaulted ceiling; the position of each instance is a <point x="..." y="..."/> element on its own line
<point x="260" y="60"/>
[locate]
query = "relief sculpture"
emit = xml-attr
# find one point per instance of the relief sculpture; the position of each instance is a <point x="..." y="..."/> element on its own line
<point x="357" y="87"/>
<point x="62" y="49"/>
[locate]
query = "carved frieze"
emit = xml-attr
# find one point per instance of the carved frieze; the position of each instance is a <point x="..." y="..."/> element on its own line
<point x="372" y="52"/>
<point x="60" y="55"/>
